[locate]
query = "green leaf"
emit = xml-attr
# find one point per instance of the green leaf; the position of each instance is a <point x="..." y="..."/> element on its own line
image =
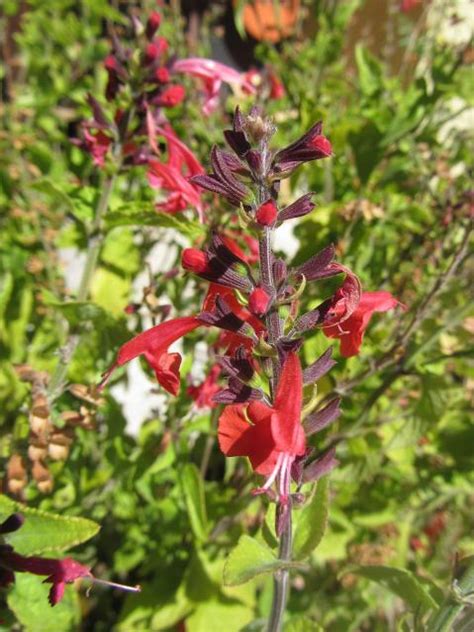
<point x="28" y="599"/>
<point x="44" y="531"/>
<point x="249" y="559"/>
<point x="145" y="214"/>
<point x="312" y="522"/>
<point x="365" y="144"/>
<point x="193" y="489"/>
<point x="77" y="312"/>
<point x="401" y="583"/>
<point x="369" y="70"/>
<point x="51" y="189"/>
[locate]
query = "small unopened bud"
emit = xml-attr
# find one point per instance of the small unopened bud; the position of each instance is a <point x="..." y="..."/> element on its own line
<point x="266" y="214"/>
<point x="194" y="260"/>
<point x="322" y="145"/>
<point x="153" y="24"/>
<point x="280" y="271"/>
<point x="162" y="74"/>
<point x="259" y="301"/>
<point x="16" y="474"/>
<point x="152" y="52"/>
<point x="43" y="478"/>
<point x="170" y="97"/>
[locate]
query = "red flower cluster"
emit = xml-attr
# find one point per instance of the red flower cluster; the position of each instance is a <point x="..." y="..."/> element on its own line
<point x="263" y="418"/>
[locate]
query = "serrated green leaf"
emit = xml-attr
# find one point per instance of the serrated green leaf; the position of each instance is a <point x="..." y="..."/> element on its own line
<point x="312" y="522"/>
<point x="43" y="531"/>
<point x="249" y="559"/>
<point x="193" y="489"/>
<point x="401" y="583"/>
<point x="28" y="599"/>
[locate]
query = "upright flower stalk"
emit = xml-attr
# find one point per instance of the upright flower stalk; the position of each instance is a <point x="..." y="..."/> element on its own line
<point x="264" y="416"/>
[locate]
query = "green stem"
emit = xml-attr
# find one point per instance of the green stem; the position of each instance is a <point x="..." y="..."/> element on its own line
<point x="281" y="581"/>
<point x="59" y="376"/>
<point x="443" y="619"/>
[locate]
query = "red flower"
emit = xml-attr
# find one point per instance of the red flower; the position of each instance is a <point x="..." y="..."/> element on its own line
<point x="351" y="331"/>
<point x="203" y="394"/>
<point x="270" y="437"/>
<point x="97" y="145"/>
<point x="58" y="572"/>
<point x="277" y="89"/>
<point x="153" y="345"/>
<point x="173" y="176"/>
<point x="213" y="73"/>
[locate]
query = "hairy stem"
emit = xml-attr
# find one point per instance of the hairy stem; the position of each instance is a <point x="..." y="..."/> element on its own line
<point x="281" y="581"/>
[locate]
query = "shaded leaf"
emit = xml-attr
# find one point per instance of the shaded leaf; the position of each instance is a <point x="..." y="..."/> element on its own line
<point x="312" y="522"/>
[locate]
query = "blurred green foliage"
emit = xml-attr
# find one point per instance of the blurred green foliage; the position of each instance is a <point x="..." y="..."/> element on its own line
<point x="175" y="517"/>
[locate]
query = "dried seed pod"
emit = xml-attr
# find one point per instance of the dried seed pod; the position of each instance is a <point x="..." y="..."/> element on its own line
<point x="39" y="420"/>
<point x="43" y="479"/>
<point x="59" y="444"/>
<point x="38" y="448"/>
<point x="16" y="474"/>
<point x="88" y="394"/>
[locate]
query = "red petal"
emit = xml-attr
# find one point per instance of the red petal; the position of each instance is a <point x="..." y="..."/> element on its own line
<point x="237" y="437"/>
<point x="351" y="331"/>
<point x="166" y="368"/>
<point x="286" y="425"/>
<point x="157" y="339"/>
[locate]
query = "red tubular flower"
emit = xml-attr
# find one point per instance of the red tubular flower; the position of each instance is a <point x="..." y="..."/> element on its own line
<point x="58" y="572"/>
<point x="153" y="345"/>
<point x="259" y="301"/>
<point x="351" y="331"/>
<point x="266" y="214"/>
<point x="212" y="74"/>
<point x="270" y="437"/>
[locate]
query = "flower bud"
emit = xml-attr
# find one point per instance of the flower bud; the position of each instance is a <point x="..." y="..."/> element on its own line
<point x="170" y="97"/>
<point x="162" y="74"/>
<point x="267" y="213"/>
<point x="152" y="52"/>
<point x="153" y="24"/>
<point x="259" y="301"/>
<point x="321" y="145"/>
<point x="195" y="260"/>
